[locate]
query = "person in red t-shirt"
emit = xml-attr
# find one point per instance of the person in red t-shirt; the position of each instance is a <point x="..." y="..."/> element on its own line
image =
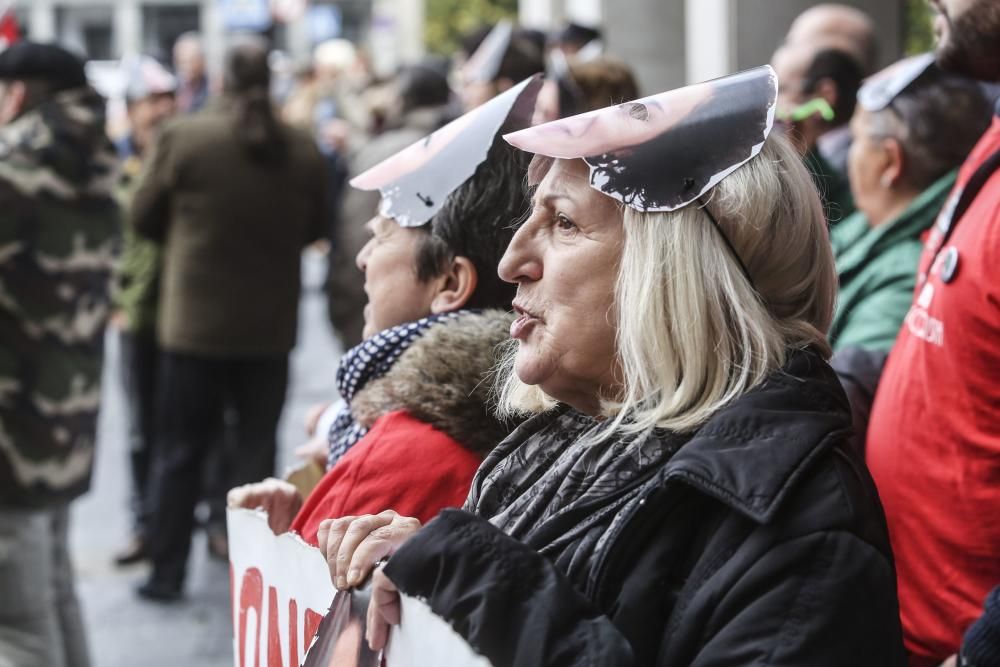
<point x="934" y="436"/>
<point x="416" y="420"/>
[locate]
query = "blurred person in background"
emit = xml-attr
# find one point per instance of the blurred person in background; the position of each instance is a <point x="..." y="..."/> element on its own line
<point x="423" y="96"/>
<point x="934" y="436"/>
<point x="189" y="64"/>
<point x="502" y="59"/>
<point x="819" y="88"/>
<point x="573" y="87"/>
<point x="59" y="226"/>
<point x="234" y="195"/>
<point x="832" y="24"/>
<point x="576" y="37"/>
<point x="150" y="101"/>
<point x="847" y="29"/>
<point x="904" y="158"/>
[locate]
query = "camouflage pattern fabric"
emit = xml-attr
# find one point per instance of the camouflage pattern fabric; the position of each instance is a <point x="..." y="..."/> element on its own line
<point x="137" y="279"/>
<point x="58" y="236"/>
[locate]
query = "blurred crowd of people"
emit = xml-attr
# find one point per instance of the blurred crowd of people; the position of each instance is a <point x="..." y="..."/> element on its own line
<point x="714" y="373"/>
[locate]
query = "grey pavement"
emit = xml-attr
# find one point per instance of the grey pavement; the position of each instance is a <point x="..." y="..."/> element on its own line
<point x="196" y="632"/>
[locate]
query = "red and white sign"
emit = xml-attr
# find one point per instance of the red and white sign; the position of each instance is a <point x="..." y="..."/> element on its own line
<point x="280" y="590"/>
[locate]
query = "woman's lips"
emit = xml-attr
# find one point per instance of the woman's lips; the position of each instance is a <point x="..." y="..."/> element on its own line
<point x="520" y="327"/>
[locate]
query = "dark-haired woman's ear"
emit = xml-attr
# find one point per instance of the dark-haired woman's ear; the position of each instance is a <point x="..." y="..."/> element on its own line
<point x="456" y="286"/>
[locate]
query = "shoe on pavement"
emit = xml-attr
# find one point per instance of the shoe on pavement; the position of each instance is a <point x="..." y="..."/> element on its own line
<point x="160" y="591"/>
<point x="134" y="552"/>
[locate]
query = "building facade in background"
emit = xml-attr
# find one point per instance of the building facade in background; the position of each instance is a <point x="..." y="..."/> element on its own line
<point x="110" y="29"/>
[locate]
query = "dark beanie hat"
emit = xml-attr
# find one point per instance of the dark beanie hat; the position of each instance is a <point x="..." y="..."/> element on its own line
<point x="981" y="647"/>
<point x="45" y="62"/>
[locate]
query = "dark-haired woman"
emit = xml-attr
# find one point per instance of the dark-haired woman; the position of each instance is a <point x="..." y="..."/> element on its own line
<point x="234" y="195"/>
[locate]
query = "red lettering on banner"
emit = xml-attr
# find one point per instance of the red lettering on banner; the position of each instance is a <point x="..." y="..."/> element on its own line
<point x="273" y="637"/>
<point x="251" y="597"/>
<point x="310" y="627"/>
<point x="293" y="637"/>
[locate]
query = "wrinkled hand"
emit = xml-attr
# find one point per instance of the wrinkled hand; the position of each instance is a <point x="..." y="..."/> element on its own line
<point x="353" y="544"/>
<point x="277" y="497"/>
<point x="383" y="610"/>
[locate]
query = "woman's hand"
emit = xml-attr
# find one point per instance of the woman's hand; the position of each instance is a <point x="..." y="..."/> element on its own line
<point x="353" y="544"/>
<point x="383" y="610"/>
<point x="277" y="497"/>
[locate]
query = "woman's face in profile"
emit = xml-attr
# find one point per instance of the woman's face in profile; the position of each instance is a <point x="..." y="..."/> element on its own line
<point x="564" y="260"/>
<point x="389" y="260"/>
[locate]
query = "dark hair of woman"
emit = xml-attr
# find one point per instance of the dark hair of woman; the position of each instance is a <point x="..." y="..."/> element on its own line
<point x="248" y="87"/>
<point x="478" y="221"/>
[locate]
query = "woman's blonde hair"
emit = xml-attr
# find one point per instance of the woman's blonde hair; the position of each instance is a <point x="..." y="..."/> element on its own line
<point x="692" y="333"/>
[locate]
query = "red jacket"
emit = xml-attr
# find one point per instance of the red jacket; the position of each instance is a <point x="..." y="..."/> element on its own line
<point x="401" y="464"/>
<point x="934" y="436"/>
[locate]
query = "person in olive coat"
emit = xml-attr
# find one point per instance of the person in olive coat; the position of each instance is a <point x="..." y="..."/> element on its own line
<point x="234" y="195"/>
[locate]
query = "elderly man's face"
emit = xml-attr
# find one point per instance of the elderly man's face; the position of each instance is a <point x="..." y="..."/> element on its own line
<point x="564" y="259"/>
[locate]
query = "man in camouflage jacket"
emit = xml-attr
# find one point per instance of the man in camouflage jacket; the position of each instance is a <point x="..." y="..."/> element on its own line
<point x="58" y="232"/>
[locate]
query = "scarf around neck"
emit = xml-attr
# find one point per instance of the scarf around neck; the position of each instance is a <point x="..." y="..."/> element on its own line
<point x="369" y="360"/>
<point x="552" y="487"/>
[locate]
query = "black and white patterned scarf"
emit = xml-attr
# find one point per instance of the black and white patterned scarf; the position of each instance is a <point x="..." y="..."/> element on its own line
<point x="369" y="360"/>
<point x="551" y="487"/>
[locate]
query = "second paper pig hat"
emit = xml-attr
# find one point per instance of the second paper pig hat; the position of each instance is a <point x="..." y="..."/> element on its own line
<point x="661" y="153"/>
<point x="416" y="181"/>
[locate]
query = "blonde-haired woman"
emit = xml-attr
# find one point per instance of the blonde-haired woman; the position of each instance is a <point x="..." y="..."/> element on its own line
<point x="684" y="492"/>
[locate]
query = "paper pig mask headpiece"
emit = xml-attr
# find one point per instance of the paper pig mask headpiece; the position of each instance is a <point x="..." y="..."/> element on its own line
<point x="416" y="181"/>
<point x="663" y="152"/>
<point x="881" y="89"/>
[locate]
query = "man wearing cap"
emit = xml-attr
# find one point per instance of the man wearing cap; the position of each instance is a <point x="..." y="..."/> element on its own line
<point x="58" y="231"/>
<point x="150" y="100"/>
<point x="934" y="435"/>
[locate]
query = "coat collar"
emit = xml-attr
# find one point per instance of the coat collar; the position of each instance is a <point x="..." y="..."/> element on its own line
<point x="856" y="243"/>
<point x="750" y="454"/>
<point x="444" y="379"/>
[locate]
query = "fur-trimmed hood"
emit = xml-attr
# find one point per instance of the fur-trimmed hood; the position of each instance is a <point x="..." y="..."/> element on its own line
<point x="444" y="379"/>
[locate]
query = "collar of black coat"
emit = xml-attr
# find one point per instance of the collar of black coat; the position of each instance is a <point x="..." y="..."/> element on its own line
<point x="444" y="379"/>
<point x="751" y="453"/>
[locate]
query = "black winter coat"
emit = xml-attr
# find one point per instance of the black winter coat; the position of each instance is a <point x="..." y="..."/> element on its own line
<point x="760" y="542"/>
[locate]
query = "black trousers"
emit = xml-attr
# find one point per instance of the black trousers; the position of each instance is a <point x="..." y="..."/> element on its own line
<point x="139" y="357"/>
<point x="195" y="393"/>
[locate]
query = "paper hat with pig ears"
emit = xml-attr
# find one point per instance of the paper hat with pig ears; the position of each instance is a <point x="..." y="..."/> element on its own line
<point x="882" y="88"/>
<point x="663" y="152"/>
<point x="416" y="181"/>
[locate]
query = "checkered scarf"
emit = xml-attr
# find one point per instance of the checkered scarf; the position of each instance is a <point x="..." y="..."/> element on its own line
<point x="367" y="361"/>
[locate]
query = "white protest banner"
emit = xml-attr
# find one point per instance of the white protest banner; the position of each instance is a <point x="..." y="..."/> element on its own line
<point x="280" y="590"/>
<point x="422" y="638"/>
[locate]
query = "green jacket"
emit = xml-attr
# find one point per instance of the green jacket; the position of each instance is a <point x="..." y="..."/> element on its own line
<point x="137" y="278"/>
<point x="877" y="267"/>
<point x="232" y="231"/>
<point x="58" y="236"/>
<point x="834" y="189"/>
